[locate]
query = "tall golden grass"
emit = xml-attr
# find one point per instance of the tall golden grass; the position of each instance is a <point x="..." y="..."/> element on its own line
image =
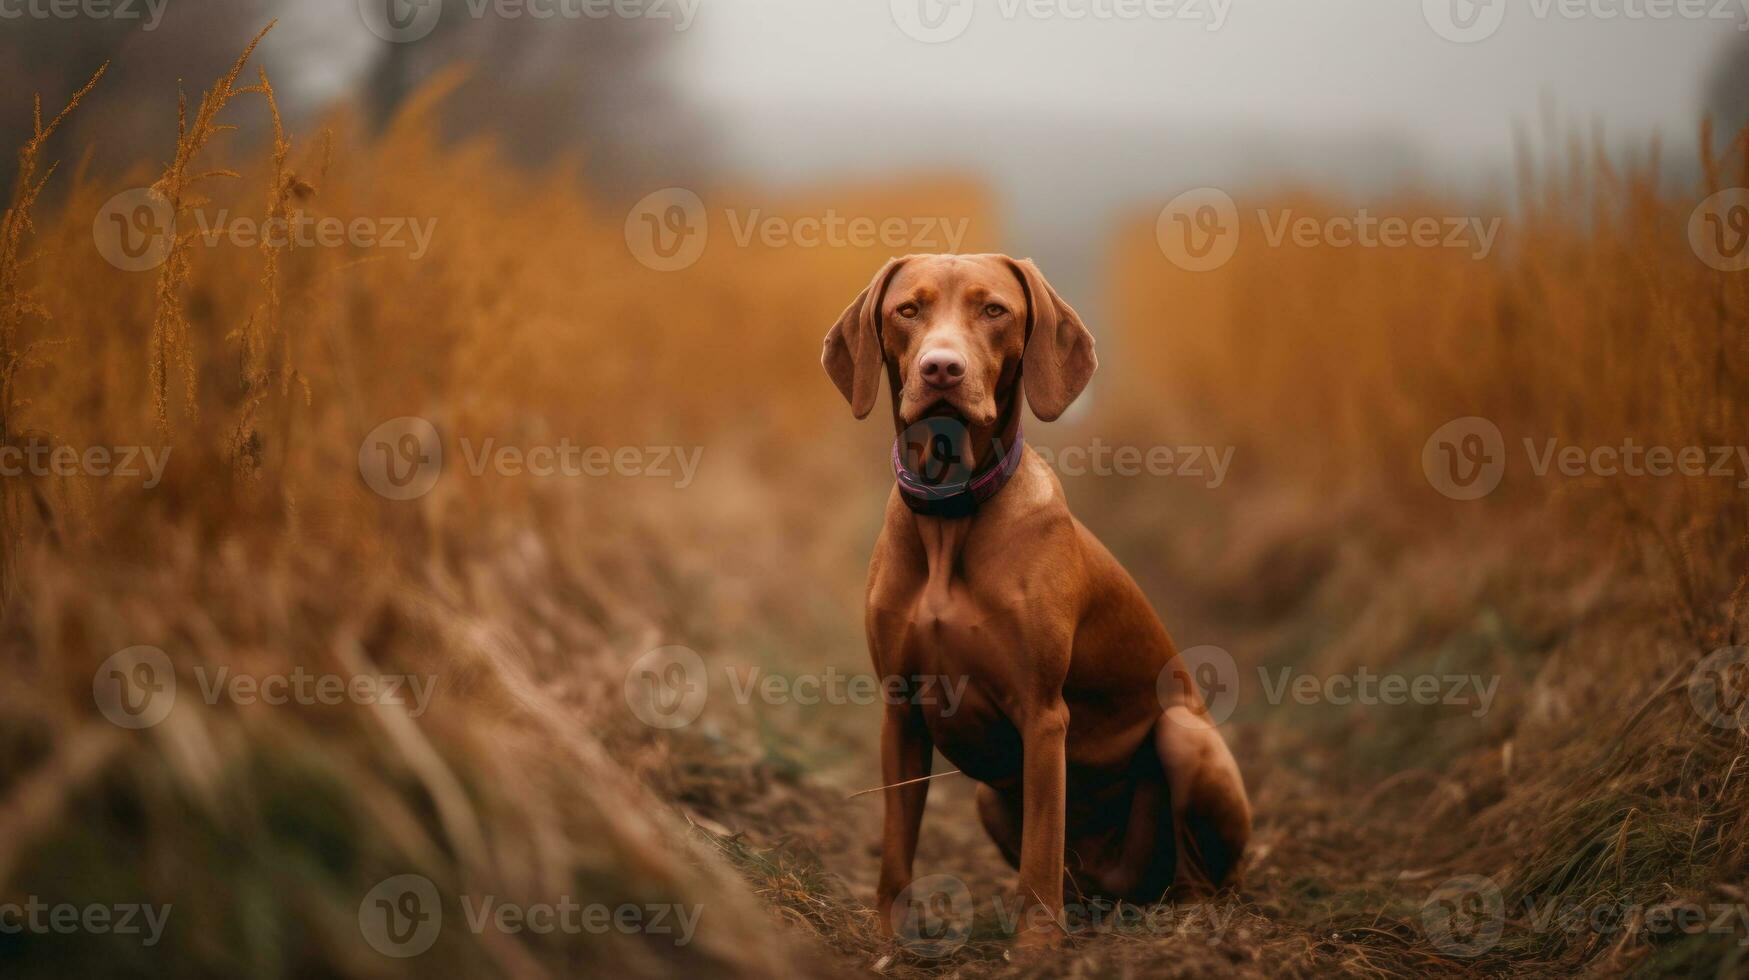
<point x="1594" y="784"/>
<point x="1592" y="321"/>
<point x="261" y="369"/>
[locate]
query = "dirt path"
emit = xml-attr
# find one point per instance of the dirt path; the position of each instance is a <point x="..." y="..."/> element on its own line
<point x="1314" y="898"/>
<point x="1367" y="815"/>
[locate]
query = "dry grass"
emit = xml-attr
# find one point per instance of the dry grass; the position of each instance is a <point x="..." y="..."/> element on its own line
<point x="529" y="321"/>
<point x="1592" y="783"/>
<point x="263" y="551"/>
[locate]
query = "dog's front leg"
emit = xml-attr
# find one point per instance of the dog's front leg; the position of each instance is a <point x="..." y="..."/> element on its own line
<point x="1043" y="789"/>
<point x="907" y="753"/>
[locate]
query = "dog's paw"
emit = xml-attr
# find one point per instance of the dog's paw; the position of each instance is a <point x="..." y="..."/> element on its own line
<point x="1035" y="940"/>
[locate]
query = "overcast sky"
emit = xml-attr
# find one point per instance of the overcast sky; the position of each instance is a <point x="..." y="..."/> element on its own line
<point x="1328" y="66"/>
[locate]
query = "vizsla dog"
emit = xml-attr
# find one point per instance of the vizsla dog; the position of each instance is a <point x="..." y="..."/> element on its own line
<point x="1099" y="766"/>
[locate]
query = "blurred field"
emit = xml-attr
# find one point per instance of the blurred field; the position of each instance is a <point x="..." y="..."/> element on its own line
<point x="262" y="369"/>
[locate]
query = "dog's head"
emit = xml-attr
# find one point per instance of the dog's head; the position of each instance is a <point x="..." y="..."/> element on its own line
<point x="954" y="331"/>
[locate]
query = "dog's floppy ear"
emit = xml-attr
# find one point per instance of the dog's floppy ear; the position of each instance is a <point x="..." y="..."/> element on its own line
<point x="1059" y="356"/>
<point x="852" y="354"/>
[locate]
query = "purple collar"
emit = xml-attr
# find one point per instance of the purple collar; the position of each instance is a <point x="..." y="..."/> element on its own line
<point x="958" y="498"/>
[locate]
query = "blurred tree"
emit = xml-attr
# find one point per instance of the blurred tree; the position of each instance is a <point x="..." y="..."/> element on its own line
<point x="539" y="85"/>
<point x="132" y="115"/>
<point x="1727" y="96"/>
<point x="546" y="85"/>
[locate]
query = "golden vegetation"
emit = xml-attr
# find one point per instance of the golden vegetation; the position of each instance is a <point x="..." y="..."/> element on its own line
<point x="1590" y="322"/>
<point x="1594" y="784"/>
<point x="259" y="368"/>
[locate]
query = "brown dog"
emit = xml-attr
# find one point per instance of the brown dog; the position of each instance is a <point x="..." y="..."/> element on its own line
<point x="1094" y="773"/>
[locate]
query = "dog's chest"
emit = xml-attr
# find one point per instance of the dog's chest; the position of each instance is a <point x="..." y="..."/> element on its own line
<point x="955" y="631"/>
<point x="948" y="611"/>
<point x="958" y="651"/>
<point x="964" y="671"/>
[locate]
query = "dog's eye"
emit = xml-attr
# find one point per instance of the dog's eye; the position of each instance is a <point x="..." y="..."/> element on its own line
<point x="995" y="310"/>
<point x="908" y="310"/>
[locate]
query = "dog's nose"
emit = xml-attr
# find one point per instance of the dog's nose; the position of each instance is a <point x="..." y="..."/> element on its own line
<point x="942" y="368"/>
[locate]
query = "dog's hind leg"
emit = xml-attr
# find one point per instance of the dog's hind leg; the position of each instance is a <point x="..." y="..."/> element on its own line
<point x="1001" y="820"/>
<point x="1211" y="815"/>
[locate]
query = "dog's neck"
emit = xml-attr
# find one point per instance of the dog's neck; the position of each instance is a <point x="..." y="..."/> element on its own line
<point x="948" y="469"/>
<point x="943" y="538"/>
